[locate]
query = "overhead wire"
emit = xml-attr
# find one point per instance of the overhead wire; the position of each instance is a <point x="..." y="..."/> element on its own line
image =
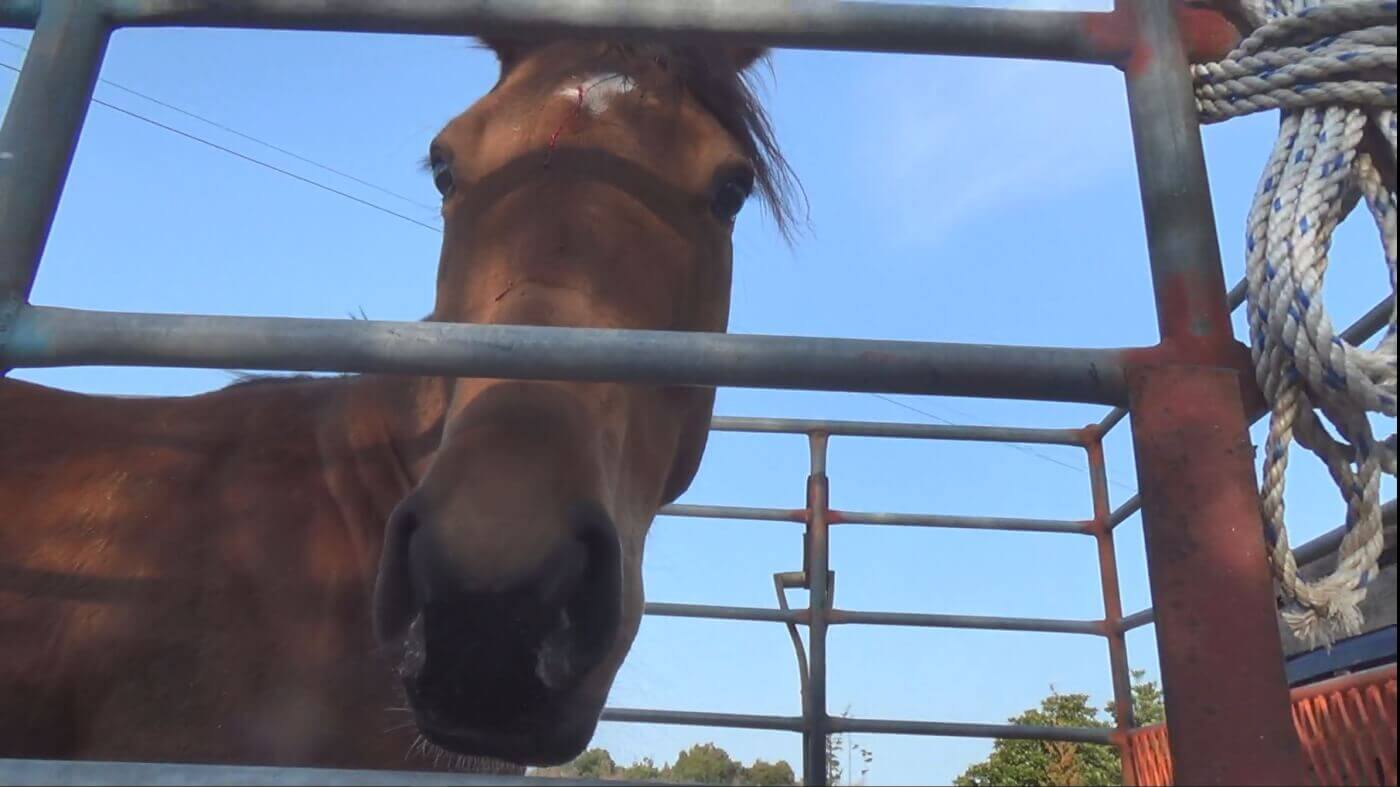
<point x="375" y="206"/>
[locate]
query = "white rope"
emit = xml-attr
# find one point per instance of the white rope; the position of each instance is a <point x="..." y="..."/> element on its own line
<point x="1330" y="67"/>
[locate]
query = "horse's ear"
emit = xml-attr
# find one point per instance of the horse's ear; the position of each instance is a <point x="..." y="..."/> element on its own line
<point x="508" y="51"/>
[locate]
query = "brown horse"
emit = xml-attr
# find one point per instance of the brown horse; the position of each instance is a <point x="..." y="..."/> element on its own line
<point x="263" y="573"/>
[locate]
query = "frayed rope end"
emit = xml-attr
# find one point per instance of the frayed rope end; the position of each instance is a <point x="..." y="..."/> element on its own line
<point x="1323" y="625"/>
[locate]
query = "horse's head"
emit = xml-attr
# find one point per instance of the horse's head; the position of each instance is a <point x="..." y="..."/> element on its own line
<point x="595" y="186"/>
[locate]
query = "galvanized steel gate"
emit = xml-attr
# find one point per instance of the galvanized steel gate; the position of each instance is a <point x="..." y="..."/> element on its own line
<point x="1189" y="396"/>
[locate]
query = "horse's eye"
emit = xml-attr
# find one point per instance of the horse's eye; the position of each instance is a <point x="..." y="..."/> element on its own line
<point x="731" y="193"/>
<point x="442" y="176"/>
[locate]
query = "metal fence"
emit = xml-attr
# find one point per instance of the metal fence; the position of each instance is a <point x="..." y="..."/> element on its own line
<point x="1228" y="704"/>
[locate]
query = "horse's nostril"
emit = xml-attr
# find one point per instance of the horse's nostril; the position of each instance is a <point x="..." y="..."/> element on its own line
<point x="476" y="650"/>
<point x="396" y="600"/>
<point x="554" y="664"/>
<point x="592" y="614"/>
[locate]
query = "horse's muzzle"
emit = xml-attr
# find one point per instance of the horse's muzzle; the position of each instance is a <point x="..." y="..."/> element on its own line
<point x="482" y="663"/>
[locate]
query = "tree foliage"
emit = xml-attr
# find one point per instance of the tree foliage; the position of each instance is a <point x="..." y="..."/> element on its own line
<point x="703" y="763"/>
<point x="763" y="772"/>
<point x="1060" y="762"/>
<point x="594" y="764"/>
<point x="846" y="759"/>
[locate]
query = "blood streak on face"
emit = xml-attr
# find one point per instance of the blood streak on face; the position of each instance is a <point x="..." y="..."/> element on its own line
<point x="597" y="92"/>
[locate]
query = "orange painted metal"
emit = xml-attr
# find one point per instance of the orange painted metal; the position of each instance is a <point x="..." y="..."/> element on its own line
<point x="1346" y="725"/>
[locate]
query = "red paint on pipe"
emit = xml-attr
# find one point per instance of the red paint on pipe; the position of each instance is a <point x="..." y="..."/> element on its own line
<point x="1227" y="703"/>
<point x="1113" y="33"/>
<point x="1207" y="35"/>
<point x="1194" y="322"/>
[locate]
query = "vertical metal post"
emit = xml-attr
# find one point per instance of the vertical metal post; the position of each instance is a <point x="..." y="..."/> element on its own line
<point x="819" y="603"/>
<point x="1227" y="704"/>
<point x="40" y="134"/>
<point x="1112" y="600"/>
<point x="1187" y="278"/>
<point x="1228" y="715"/>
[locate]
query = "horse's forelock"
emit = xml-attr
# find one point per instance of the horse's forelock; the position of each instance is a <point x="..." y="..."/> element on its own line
<point x="723" y="81"/>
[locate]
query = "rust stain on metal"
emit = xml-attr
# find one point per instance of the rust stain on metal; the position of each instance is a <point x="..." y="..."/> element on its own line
<point x="1114" y="34"/>
<point x="1206" y="32"/>
<point x="1222" y="661"/>
<point x="1195" y="325"/>
<point x="1088" y="435"/>
<point x="1206" y="35"/>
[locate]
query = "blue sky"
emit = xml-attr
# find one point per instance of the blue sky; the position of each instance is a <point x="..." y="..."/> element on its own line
<point x="951" y="200"/>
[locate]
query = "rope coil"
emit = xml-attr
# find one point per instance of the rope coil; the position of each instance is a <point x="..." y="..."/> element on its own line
<point x="1330" y="67"/>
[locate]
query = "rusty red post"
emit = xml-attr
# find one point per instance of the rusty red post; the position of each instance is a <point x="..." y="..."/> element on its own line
<point x="1228" y="713"/>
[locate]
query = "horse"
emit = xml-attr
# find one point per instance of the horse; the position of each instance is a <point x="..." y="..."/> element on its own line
<point x="331" y="571"/>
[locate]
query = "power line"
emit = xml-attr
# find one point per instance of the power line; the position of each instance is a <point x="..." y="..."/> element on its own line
<point x="250" y="138"/>
<point x="253" y="160"/>
<point x="317" y="184"/>
<point x="1016" y="446"/>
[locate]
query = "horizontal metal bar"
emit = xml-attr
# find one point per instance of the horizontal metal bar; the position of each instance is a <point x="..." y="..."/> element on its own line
<point x="1121" y="513"/>
<point x="1047" y="625"/>
<point x="875" y="27"/>
<point x="669" y="610"/>
<point x="855" y="617"/>
<point x="1111" y="420"/>
<point x="959" y="522"/>
<point x="1328" y="542"/>
<point x="19" y="13"/>
<point x="79" y="772"/>
<point x="734" y="512"/>
<point x="847" y="724"/>
<point x="965" y="730"/>
<point x="1370" y="323"/>
<point x="981" y="434"/>
<point x="1363" y="650"/>
<point x="1237" y="294"/>
<point x="1140" y="618"/>
<point x="47" y="336"/>
<point x="700" y="719"/>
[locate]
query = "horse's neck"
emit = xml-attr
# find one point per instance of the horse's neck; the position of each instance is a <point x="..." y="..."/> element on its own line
<point x="376" y="441"/>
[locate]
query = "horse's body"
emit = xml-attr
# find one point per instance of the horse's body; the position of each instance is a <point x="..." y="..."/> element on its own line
<point x="195" y="579"/>
<point x="189" y="579"/>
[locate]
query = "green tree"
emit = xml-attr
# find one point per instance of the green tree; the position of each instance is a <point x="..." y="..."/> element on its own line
<point x="1061" y="762"/>
<point x="763" y="772"/>
<point x="593" y="764"/>
<point x="641" y="770"/>
<point x="705" y="763"/>
<point x="1148" y="705"/>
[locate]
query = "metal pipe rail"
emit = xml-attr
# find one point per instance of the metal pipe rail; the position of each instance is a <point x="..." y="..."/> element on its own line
<point x="818" y="516"/>
<point x="45" y="336"/>
<point x="22" y="773"/>
<point x="869" y="27"/>
<point x="874" y="726"/>
<point x="1184" y="392"/>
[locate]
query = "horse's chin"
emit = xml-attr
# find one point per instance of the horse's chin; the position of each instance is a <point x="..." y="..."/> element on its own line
<point x="550" y="743"/>
<point x="546" y="734"/>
